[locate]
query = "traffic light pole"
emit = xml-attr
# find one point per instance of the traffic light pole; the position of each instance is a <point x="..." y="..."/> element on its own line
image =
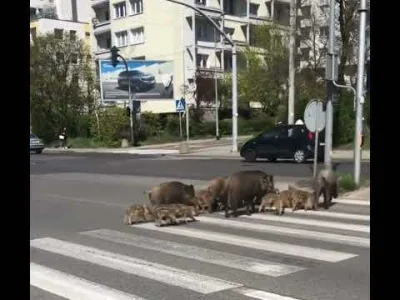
<point x="131" y="106"/>
<point x="132" y="119"/>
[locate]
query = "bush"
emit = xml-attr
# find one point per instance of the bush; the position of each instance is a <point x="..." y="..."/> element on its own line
<point x="347" y="183"/>
<point x="113" y="124"/>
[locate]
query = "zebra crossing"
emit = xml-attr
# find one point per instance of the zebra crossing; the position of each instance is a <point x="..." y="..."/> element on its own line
<point x="232" y="258"/>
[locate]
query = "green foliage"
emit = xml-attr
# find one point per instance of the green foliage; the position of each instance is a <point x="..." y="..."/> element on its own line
<point x="113" y="124"/>
<point x="265" y="77"/>
<point x="62" y="84"/>
<point x="347" y="183"/>
<point x="344" y="121"/>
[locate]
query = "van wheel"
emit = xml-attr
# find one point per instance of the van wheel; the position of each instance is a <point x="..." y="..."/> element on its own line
<point x="299" y="156"/>
<point x="250" y="156"/>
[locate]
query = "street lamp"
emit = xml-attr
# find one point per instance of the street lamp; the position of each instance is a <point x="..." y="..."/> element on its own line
<point x="234" y="73"/>
<point x="114" y="61"/>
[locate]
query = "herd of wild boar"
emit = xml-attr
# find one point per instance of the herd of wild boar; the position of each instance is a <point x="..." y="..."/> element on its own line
<point x="173" y="202"/>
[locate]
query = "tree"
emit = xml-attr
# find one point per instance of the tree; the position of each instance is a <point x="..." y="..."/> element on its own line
<point x="313" y="37"/>
<point x="62" y="85"/>
<point x="264" y="80"/>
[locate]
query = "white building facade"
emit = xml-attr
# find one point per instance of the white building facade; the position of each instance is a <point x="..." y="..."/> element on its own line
<point x="161" y="30"/>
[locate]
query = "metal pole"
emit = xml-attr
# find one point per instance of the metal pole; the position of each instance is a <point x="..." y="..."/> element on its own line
<point x="292" y="53"/>
<point x="360" y="91"/>
<point x="216" y="89"/>
<point x="316" y="139"/>
<point x="180" y="125"/>
<point x="330" y="88"/>
<point x="130" y="101"/>
<point x="234" y="102"/>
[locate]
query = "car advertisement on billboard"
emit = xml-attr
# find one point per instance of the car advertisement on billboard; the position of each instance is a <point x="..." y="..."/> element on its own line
<point x="148" y="79"/>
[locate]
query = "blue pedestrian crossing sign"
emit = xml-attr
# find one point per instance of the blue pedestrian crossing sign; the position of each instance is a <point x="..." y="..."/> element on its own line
<point x="180" y="105"/>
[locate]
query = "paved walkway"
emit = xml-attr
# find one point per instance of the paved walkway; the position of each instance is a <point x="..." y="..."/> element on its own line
<point x="205" y="148"/>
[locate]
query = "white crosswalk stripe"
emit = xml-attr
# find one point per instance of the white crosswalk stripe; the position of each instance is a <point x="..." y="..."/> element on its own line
<point x="213" y="231"/>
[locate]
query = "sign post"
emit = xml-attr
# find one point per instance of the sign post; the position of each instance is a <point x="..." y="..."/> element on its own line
<point x="180" y="106"/>
<point x="314" y="119"/>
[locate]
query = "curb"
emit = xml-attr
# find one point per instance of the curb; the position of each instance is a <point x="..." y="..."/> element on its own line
<point x="118" y="151"/>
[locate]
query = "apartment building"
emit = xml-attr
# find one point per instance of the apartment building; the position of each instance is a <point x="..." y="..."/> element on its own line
<point x="313" y="32"/>
<point x="59" y="16"/>
<point x="161" y="30"/>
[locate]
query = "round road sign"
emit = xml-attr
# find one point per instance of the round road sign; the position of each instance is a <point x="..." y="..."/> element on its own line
<point x="314" y="116"/>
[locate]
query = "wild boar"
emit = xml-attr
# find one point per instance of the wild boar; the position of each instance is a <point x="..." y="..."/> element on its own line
<point x="246" y="188"/>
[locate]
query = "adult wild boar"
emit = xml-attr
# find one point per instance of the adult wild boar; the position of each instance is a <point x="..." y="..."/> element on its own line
<point x="172" y="192"/>
<point x="217" y="189"/>
<point x="247" y="187"/>
<point x="327" y="180"/>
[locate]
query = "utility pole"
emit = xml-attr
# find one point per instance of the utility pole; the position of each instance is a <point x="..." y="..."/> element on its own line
<point x="360" y="91"/>
<point x="292" y="54"/>
<point x="234" y="72"/>
<point x="216" y="88"/>
<point x="331" y="74"/>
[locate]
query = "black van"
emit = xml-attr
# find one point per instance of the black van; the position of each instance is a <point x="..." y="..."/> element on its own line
<point x="284" y="142"/>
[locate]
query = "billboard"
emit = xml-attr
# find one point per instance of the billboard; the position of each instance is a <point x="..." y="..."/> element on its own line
<point x="149" y="79"/>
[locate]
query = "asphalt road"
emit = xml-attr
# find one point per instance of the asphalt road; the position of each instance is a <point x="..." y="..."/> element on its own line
<point x="170" y="166"/>
<point x="81" y="250"/>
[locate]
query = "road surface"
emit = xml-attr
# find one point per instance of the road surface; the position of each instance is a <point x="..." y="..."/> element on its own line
<point x="81" y="250"/>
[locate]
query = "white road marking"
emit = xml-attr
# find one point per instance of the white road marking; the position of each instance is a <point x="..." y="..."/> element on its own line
<point x="352" y="202"/>
<point x="300" y="221"/>
<point x="262" y="295"/>
<point x="71" y="287"/>
<point x="84" y="200"/>
<point x="201" y="254"/>
<point x="330" y="214"/>
<point x="299" y="233"/>
<point x="146" y="269"/>
<point x="263" y="245"/>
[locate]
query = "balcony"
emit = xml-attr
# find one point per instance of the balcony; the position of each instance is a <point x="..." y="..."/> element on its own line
<point x="100" y="3"/>
<point x="36" y="14"/>
<point x="100" y="27"/>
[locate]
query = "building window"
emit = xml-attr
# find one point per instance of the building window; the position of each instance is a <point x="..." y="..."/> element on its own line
<point x="200" y="31"/>
<point x="87" y="34"/>
<point x="60" y="57"/>
<point x="323" y="31"/>
<point x="305" y="54"/>
<point x="254" y="9"/>
<point x="201" y="60"/>
<point x="33" y="33"/>
<point x="306" y="11"/>
<point x="201" y="2"/>
<point x="74" y="58"/>
<point x="72" y="35"/>
<point x="136" y="6"/>
<point x="120" y="10"/>
<point x="137" y="35"/>
<point x="58" y="33"/>
<point x="108" y="43"/>
<point x="122" y="38"/>
<point x="139" y="58"/>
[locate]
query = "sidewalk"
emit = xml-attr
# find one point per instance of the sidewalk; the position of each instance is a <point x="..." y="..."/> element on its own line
<point x="205" y="148"/>
<point x="361" y="194"/>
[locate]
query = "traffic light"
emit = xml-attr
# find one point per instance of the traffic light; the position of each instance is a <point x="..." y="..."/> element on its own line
<point x="114" y="56"/>
<point x="128" y="111"/>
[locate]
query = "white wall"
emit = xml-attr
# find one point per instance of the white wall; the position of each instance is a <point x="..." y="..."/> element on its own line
<point x="48" y="25"/>
<point x="64" y="9"/>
